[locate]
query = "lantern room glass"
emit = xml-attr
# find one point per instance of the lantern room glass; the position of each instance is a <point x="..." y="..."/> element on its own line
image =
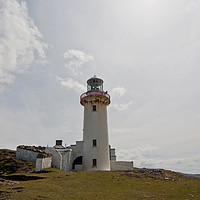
<point x="95" y="84"/>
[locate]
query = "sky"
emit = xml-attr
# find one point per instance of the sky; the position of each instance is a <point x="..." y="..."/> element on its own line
<point x="147" y="53"/>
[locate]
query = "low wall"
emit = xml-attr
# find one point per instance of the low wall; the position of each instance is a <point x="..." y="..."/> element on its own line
<point x="121" y="165"/>
<point x="26" y="155"/>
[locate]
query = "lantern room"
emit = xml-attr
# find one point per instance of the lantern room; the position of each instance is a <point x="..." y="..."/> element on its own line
<point x="95" y="83"/>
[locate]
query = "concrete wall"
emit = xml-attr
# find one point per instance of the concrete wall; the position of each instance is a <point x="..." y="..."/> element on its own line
<point x="95" y="127"/>
<point x="77" y="151"/>
<point x="56" y="157"/>
<point x="61" y="158"/>
<point x="121" y="165"/>
<point x="42" y="163"/>
<point x="66" y="159"/>
<point x="78" y="168"/>
<point x="26" y="155"/>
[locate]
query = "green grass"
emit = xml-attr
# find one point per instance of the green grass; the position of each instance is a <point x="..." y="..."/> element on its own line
<point x="106" y="185"/>
<point x="56" y="184"/>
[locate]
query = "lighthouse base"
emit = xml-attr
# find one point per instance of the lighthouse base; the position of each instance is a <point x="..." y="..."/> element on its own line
<point x="70" y="158"/>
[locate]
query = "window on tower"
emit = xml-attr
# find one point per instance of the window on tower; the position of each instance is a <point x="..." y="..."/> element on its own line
<point x="94" y="143"/>
<point x="94" y="108"/>
<point x="94" y="162"/>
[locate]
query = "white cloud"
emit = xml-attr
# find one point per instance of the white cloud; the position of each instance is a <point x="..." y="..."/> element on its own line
<point x="71" y="84"/>
<point x="75" y="60"/>
<point x="19" y="40"/>
<point x="118" y="92"/>
<point x="141" y="156"/>
<point x="121" y="107"/>
<point x="135" y="153"/>
<point x="184" y="164"/>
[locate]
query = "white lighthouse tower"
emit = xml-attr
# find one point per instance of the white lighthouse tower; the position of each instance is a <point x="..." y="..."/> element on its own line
<point x="95" y="129"/>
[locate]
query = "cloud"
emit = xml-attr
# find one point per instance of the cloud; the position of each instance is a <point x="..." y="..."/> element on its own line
<point x="121" y="107"/>
<point x="135" y="153"/>
<point x="71" y="84"/>
<point x="75" y="60"/>
<point x="141" y="156"/>
<point x="20" y="43"/>
<point x="118" y="92"/>
<point x="184" y="164"/>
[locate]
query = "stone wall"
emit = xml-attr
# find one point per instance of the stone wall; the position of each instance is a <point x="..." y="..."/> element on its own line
<point x="121" y="165"/>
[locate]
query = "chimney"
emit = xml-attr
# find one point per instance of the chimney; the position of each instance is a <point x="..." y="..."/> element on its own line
<point x="58" y="142"/>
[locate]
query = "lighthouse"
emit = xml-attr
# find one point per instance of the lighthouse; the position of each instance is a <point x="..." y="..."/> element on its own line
<point x="93" y="153"/>
<point x="95" y="126"/>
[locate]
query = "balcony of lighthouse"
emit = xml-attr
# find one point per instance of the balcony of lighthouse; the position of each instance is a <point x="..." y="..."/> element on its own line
<point x="95" y="93"/>
<point x="95" y="96"/>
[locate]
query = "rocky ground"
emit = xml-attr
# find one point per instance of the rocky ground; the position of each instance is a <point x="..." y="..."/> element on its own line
<point x="3" y="183"/>
<point x="156" y="174"/>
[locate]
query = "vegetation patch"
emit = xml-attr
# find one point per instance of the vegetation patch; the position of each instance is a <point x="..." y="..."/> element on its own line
<point x="9" y="164"/>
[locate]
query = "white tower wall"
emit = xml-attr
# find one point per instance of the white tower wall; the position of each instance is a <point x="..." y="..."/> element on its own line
<point x="95" y="128"/>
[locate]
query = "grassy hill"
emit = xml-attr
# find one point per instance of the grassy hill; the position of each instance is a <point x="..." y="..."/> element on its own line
<point x="9" y="164"/>
<point x="138" y="184"/>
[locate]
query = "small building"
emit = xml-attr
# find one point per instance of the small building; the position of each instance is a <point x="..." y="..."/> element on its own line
<point x="34" y="154"/>
<point x="94" y="152"/>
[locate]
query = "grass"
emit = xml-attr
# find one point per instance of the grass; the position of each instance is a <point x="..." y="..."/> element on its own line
<point x="106" y="185"/>
<point x="18" y="182"/>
